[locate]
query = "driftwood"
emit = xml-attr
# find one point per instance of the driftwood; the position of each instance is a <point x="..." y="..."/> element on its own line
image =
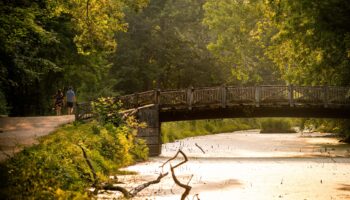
<point x="87" y="160"/>
<point x="133" y="192"/>
<point x="177" y="182"/>
<point x="199" y="147"/>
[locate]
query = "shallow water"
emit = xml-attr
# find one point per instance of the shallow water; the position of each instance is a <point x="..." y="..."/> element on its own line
<point x="248" y="165"/>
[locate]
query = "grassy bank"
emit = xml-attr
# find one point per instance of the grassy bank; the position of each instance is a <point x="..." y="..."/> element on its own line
<point x="56" y="167"/>
<point x="172" y="131"/>
<point x="276" y="125"/>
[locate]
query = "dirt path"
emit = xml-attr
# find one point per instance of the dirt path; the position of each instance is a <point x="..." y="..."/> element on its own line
<point x="24" y="131"/>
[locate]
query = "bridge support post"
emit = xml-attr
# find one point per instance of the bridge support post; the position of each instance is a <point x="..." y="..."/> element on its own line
<point x="291" y="95"/>
<point x="190" y="97"/>
<point x="257" y="96"/>
<point x="151" y="134"/>
<point x="325" y="96"/>
<point x="223" y="96"/>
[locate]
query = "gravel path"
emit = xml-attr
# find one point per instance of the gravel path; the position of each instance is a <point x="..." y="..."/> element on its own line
<point x="19" y="132"/>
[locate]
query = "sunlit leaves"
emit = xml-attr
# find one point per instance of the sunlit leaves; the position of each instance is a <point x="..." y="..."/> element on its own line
<point x="237" y="43"/>
<point x="311" y="40"/>
<point x="96" y="22"/>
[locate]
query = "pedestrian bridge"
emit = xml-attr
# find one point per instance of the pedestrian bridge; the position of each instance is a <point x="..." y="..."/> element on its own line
<point x="158" y="106"/>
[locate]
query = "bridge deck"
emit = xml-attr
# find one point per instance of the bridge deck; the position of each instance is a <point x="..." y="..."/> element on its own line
<point x="251" y="101"/>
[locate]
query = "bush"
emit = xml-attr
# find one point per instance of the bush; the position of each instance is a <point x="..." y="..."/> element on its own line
<point x="106" y="110"/>
<point x="272" y="125"/>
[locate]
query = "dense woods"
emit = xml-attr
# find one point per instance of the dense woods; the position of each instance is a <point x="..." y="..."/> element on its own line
<point x="110" y="47"/>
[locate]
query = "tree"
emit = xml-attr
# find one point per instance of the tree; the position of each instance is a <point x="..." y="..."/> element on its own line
<point x="165" y="47"/>
<point x="236" y="43"/>
<point x="311" y="43"/>
<point x="46" y="45"/>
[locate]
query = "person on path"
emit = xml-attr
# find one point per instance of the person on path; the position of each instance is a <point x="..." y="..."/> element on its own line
<point x="59" y="102"/>
<point x="70" y="97"/>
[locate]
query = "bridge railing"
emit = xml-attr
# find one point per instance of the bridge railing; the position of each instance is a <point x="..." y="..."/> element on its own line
<point x="172" y="98"/>
<point x="338" y="95"/>
<point x="224" y="96"/>
<point x="83" y="111"/>
<point x="239" y="95"/>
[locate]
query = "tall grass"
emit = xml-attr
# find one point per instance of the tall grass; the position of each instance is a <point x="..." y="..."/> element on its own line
<point x="172" y="131"/>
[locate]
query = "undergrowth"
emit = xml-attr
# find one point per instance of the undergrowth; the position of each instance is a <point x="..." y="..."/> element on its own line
<point x="276" y="125"/>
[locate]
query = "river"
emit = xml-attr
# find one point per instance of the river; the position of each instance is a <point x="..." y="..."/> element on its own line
<point x="248" y="165"/>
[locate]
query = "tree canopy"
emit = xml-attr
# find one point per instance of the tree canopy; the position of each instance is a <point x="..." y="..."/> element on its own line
<point x="110" y="47"/>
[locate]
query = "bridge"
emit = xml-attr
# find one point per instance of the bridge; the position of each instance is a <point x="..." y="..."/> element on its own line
<point x="157" y="106"/>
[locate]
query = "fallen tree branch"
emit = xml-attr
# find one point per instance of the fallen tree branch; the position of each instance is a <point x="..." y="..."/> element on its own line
<point x="139" y="188"/>
<point x="95" y="183"/>
<point x="177" y="182"/>
<point x="186" y="187"/>
<point x="133" y="192"/>
<point x="175" y="156"/>
<point x="125" y="192"/>
<point x="199" y="147"/>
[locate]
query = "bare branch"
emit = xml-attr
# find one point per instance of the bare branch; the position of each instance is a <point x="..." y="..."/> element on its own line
<point x="95" y="183"/>
<point x="125" y="192"/>
<point x="175" y="156"/>
<point x="139" y="188"/>
<point x="177" y="182"/>
<point x="186" y="187"/>
<point x="183" y="162"/>
<point x="199" y="147"/>
<point x="133" y="192"/>
<point x="170" y="159"/>
<point x="197" y="197"/>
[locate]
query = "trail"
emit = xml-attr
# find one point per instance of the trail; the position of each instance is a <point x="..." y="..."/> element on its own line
<point x="19" y="132"/>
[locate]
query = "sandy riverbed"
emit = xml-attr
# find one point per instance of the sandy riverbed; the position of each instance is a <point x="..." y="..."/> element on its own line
<point x="247" y="165"/>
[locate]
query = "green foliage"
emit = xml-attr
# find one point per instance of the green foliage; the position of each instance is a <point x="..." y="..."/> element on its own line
<point x="235" y="42"/>
<point x="310" y="43"/>
<point x="140" y="150"/>
<point x="49" y="45"/>
<point x="3" y="104"/>
<point x="165" y="47"/>
<point x="301" y="42"/>
<point x="107" y="110"/>
<point x="327" y="125"/>
<point x="172" y="131"/>
<point x="276" y="125"/>
<point x="56" y="167"/>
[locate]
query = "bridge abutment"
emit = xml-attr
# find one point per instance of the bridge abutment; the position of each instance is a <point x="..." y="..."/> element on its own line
<point x="151" y="134"/>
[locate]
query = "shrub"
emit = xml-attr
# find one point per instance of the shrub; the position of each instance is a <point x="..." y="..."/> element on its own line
<point x="106" y="110"/>
<point x="272" y="125"/>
